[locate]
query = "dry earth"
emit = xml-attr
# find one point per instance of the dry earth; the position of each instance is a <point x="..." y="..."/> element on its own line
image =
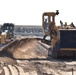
<point x="30" y="57"/>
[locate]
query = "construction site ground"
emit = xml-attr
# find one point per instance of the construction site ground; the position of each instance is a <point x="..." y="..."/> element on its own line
<point x="29" y="56"/>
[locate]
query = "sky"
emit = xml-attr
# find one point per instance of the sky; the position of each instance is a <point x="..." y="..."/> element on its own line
<point x="29" y="12"/>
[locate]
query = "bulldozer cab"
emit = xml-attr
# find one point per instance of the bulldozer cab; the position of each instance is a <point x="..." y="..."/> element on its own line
<point x="48" y="20"/>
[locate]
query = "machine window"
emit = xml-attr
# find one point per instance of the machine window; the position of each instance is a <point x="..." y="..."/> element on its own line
<point x="46" y="25"/>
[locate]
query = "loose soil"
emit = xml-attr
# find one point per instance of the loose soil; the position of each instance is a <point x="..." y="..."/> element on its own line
<point x="29" y="56"/>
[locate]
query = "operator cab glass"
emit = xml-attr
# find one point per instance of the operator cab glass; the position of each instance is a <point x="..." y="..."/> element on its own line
<point x="47" y="22"/>
<point x="46" y="25"/>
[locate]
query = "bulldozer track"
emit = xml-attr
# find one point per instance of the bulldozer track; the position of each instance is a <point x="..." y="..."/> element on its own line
<point x="13" y="70"/>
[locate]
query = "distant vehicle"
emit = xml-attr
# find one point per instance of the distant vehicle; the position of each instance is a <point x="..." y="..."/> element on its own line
<point x="7" y="33"/>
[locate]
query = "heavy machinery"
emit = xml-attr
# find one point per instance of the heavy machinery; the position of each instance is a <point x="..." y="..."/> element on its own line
<point x="8" y="28"/>
<point x="63" y="38"/>
<point x="6" y="33"/>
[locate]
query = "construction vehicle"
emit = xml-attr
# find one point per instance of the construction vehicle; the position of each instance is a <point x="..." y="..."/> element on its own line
<point x="63" y="38"/>
<point x="6" y="33"/>
<point x="8" y="28"/>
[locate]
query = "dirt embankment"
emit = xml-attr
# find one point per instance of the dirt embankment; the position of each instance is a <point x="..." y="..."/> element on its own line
<point x="26" y="48"/>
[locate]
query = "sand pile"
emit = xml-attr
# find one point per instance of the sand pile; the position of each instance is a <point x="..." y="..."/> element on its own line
<point x="26" y="48"/>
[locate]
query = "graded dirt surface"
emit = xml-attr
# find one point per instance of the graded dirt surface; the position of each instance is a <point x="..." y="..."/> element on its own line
<point x="29" y="56"/>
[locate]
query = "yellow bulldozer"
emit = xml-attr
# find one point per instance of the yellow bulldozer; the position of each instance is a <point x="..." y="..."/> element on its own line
<point x="62" y="38"/>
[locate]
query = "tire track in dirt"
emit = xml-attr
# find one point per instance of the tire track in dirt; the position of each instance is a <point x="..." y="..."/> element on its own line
<point x="6" y="70"/>
<point x="13" y="70"/>
<point x="21" y="71"/>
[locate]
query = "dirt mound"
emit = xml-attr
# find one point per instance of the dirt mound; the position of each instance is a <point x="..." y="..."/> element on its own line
<point x="26" y="48"/>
